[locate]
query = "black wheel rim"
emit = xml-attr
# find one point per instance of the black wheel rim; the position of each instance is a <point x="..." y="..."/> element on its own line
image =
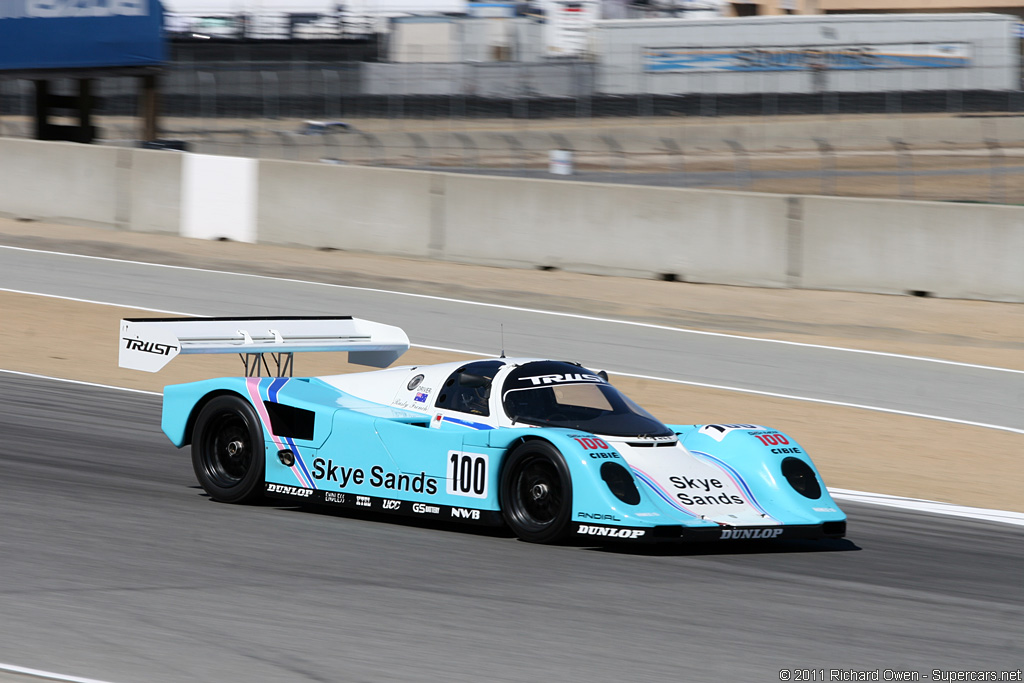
<point x="227" y="449"/>
<point x="537" y="493"/>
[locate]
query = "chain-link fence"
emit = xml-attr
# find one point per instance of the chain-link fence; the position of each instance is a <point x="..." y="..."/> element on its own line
<point x="521" y="90"/>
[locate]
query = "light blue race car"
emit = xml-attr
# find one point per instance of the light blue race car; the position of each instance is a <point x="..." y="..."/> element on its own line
<point x="549" y="448"/>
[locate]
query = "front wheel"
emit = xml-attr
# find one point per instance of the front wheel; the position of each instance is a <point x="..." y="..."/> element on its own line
<point x="228" y="451"/>
<point x="536" y="492"/>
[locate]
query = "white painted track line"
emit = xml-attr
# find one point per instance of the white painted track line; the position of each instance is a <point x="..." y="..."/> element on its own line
<point x="45" y="675"/>
<point x="722" y="387"/>
<point x="521" y="309"/>
<point x="79" y="382"/>
<point x="823" y="401"/>
<point x="921" y="505"/>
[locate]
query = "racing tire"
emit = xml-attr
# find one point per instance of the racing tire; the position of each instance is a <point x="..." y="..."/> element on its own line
<point x="535" y="492"/>
<point x="228" y="450"/>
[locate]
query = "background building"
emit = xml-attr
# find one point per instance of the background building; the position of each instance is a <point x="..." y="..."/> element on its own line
<point x="755" y="7"/>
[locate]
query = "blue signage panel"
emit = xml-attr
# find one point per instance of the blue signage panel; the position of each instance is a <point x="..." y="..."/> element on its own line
<point x="69" y="34"/>
<point x="844" y="58"/>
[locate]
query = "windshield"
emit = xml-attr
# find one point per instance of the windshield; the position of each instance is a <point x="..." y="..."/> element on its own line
<point x="550" y="394"/>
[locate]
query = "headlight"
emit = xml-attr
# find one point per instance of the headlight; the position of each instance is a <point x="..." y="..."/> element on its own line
<point x="801" y="477"/>
<point x="620" y="482"/>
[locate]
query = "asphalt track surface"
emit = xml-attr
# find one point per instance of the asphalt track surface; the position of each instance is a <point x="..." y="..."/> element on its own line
<point x="950" y="391"/>
<point x="116" y="566"/>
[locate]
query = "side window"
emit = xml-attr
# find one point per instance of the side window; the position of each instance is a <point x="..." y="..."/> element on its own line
<point x="468" y="389"/>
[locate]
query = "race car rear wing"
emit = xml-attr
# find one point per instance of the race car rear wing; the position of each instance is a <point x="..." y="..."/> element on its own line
<point x="151" y="343"/>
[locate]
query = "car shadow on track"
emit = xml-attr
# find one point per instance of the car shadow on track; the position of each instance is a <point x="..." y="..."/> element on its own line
<point x="773" y="547"/>
<point x="667" y="548"/>
<point x="661" y="549"/>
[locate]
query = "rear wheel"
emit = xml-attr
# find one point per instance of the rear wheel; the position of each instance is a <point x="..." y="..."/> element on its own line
<point x="536" y="492"/>
<point x="227" y="450"/>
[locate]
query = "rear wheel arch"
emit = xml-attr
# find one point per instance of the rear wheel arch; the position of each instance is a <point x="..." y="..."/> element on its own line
<point x="190" y="424"/>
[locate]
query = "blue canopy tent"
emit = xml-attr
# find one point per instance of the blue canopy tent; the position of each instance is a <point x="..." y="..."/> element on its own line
<point x="42" y="40"/>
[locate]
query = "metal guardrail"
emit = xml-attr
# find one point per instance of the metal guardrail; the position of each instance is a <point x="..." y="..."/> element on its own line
<point x="663" y="151"/>
<point x="977" y="171"/>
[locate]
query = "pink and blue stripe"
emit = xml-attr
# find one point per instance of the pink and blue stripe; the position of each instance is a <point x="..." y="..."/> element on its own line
<point x="660" y="492"/>
<point x="273" y="389"/>
<point x="736" y="479"/>
<point x="254" y="386"/>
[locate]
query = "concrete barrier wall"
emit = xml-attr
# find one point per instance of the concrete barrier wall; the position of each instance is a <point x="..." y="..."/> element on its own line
<point x="218" y="197"/>
<point x="64" y="182"/>
<point x="154" y="191"/>
<point x="347" y="207"/>
<point x="872" y="245"/>
<point x="945" y="249"/>
<point x="725" y="237"/>
<point x="59" y="181"/>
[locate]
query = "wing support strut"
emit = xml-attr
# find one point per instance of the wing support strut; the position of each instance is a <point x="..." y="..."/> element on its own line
<point x="256" y="363"/>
